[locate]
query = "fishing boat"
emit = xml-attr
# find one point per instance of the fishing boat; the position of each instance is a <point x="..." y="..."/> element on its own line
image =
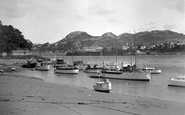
<point x="60" y="62"/>
<point x="103" y="85"/>
<point x="111" y="68"/>
<point x="152" y="70"/>
<point x="177" y="81"/>
<point x="133" y="74"/>
<point x="92" y="68"/>
<point x="42" y="66"/>
<point x="63" y="67"/>
<point x="67" y="69"/>
<point x="127" y="73"/>
<point x="130" y="72"/>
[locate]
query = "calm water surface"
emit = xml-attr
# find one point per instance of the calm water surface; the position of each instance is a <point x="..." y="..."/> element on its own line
<point x="171" y="65"/>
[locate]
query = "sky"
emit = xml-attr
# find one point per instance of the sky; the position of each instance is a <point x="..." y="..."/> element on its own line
<point x="43" y="21"/>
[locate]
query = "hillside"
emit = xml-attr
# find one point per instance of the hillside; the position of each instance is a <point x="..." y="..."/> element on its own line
<point x="153" y="37"/>
<point x="78" y="39"/>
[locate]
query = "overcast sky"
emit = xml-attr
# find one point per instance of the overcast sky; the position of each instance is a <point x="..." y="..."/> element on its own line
<point x="44" y="21"/>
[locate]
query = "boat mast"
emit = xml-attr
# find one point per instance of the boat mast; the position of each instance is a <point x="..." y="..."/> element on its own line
<point x="82" y="54"/>
<point x="135" y="51"/>
<point x="55" y="53"/>
<point x="72" y="55"/>
<point x="130" y="54"/>
<point x="131" y="59"/>
<point x="116" y="53"/>
<point x="102" y="59"/>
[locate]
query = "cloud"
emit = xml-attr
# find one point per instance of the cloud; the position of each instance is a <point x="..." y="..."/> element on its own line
<point x="49" y="20"/>
<point x="169" y="27"/>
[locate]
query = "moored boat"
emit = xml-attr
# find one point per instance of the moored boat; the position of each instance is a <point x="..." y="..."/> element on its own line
<point x="135" y="76"/>
<point x="132" y="73"/>
<point x="68" y="69"/>
<point x="177" y="81"/>
<point x="102" y="86"/>
<point x="42" y="66"/>
<point x="60" y="62"/>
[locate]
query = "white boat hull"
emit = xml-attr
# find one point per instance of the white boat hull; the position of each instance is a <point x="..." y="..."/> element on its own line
<point x="65" y="71"/>
<point x="137" y="76"/>
<point x="155" y="71"/>
<point x="43" y="68"/>
<point x="173" y="82"/>
<point x="102" y="87"/>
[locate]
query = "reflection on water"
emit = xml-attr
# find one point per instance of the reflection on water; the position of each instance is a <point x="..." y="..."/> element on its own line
<point x="156" y="88"/>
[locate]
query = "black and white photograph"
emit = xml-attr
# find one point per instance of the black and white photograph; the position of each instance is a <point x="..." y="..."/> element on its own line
<point x="92" y="57"/>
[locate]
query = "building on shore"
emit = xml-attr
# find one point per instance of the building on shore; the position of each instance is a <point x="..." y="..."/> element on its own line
<point x="21" y="52"/>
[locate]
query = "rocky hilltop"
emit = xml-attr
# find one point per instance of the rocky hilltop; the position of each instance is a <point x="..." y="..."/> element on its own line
<point x="77" y="36"/>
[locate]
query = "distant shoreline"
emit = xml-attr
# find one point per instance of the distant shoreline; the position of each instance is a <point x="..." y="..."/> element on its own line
<point x="46" y="58"/>
<point x="124" y="54"/>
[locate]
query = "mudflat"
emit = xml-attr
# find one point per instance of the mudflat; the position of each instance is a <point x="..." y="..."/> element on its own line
<point x="23" y="95"/>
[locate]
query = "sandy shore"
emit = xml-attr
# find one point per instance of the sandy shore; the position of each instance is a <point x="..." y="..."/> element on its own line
<point x="22" y="95"/>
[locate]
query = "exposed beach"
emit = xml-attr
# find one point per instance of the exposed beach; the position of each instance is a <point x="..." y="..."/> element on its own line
<point x="23" y="95"/>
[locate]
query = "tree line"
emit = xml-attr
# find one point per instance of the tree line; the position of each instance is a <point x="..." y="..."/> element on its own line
<point x="12" y="39"/>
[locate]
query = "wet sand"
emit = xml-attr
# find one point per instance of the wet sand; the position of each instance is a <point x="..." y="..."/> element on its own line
<point x="23" y="95"/>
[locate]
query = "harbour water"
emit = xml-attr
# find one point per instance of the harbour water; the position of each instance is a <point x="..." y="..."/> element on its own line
<point x="171" y="65"/>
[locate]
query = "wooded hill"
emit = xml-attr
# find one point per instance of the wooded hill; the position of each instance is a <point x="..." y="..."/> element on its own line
<point x="12" y="39"/>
